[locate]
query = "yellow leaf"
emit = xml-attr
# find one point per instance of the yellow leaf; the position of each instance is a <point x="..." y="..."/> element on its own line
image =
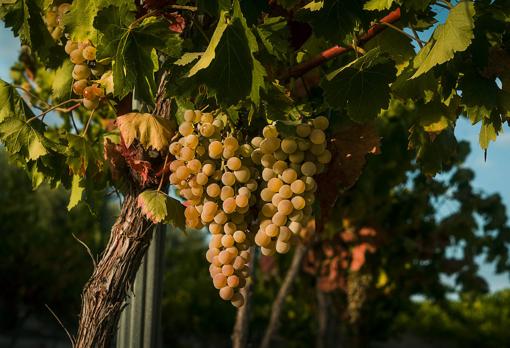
<point x="151" y="131"/>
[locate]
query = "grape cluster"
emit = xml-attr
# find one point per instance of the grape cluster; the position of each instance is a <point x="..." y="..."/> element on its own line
<point x="86" y="70"/>
<point x="288" y="190"/>
<point x="53" y="19"/>
<point x="215" y="174"/>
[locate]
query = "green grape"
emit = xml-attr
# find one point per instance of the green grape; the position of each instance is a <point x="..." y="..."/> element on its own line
<point x="317" y="136"/>
<point x="321" y="123"/>
<point x="325" y="157"/>
<point x="308" y="169"/>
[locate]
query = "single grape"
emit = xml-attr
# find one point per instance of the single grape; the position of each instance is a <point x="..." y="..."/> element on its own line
<point x="317" y="136"/>
<point x="274" y="184"/>
<point x="272" y="230"/>
<point x="289" y="145"/>
<point x="289" y="175"/>
<point x="206" y="117"/>
<point x="80" y="72"/>
<point x="215" y="149"/>
<point x="325" y="157"/>
<point x="303" y="130"/>
<point x="186" y="128"/>
<point x="308" y="169"/>
<point x="239" y="236"/>
<point x="213" y="190"/>
<point x="295" y="227"/>
<point x="229" y="205"/>
<point x="230" y="228"/>
<point x="234" y="163"/>
<point x="285" y="234"/>
<point x="238" y="300"/>
<point x="182" y="172"/>
<point x="227" y="270"/>
<point x="207" y="130"/>
<point x="76" y="56"/>
<point x="226" y="192"/>
<point x="219" y="281"/>
<point x="262" y="239"/>
<point x="267" y="251"/>
<point x="277" y="198"/>
<point x="208" y="169"/>
<point x="267" y="174"/>
<point x="226" y="293"/>
<point x="266" y="195"/>
<point x="210" y="208"/>
<point x="70" y="46"/>
<point x="90" y="104"/>
<point x="186" y="154"/>
<point x="79" y="86"/>
<point x="285" y="207"/>
<point x="282" y="247"/>
<point x="228" y="179"/>
<point x="51" y="19"/>
<point x="215" y="228"/>
<point x="297" y="157"/>
<point x="321" y="123"/>
<point x="270" y="131"/>
<point x="268" y="160"/>
<point x="233" y="281"/>
<point x="231" y="143"/>
<point x="298" y="202"/>
<point x="221" y="218"/>
<point x="89" y="53"/>
<point x="227" y="240"/>
<point x="256" y="156"/>
<point x="242" y="201"/>
<point x="189" y="116"/>
<point x="194" y="165"/>
<point x="268" y="210"/>
<point x="298" y="186"/>
<point x="279" y="219"/>
<point x="285" y="191"/>
<point x="242" y="175"/>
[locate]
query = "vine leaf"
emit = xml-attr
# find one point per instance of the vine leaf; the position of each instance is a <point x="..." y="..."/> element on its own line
<point x="151" y="131"/>
<point x="24" y="18"/>
<point x="63" y="81"/>
<point x="81" y="154"/>
<point x="79" y="21"/>
<point x="24" y="138"/>
<point x="455" y="35"/>
<point x="366" y="78"/>
<point x="159" y="207"/>
<point x="76" y="192"/>
<point x="133" y="49"/>
<point x="378" y="5"/>
<point x="488" y="133"/>
<point x="274" y="35"/>
<point x="228" y="66"/>
<point x="11" y="103"/>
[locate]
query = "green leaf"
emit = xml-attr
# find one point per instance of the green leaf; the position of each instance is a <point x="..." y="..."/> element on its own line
<point x="455" y="35"/>
<point x="76" y="192"/>
<point x="24" y="138"/>
<point x="336" y="19"/>
<point x="274" y="35"/>
<point x="25" y="20"/>
<point x="479" y="95"/>
<point x="80" y="20"/>
<point x="228" y="67"/>
<point x="151" y="131"/>
<point x="11" y="103"/>
<point x="159" y="207"/>
<point x="188" y="58"/>
<point x="63" y="82"/>
<point x="133" y="50"/>
<point x="361" y="86"/>
<point x="488" y="133"/>
<point x="210" y="52"/>
<point x="378" y="5"/>
<point x="81" y="155"/>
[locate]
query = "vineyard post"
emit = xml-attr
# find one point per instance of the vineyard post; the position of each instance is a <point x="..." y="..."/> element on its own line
<point x="140" y="323"/>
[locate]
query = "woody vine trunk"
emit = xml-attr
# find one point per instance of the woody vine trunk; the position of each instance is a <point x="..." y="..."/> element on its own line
<point x="104" y="294"/>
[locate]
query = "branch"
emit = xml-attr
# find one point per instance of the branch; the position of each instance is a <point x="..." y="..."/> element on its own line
<point x="284" y="291"/>
<point x="335" y="51"/>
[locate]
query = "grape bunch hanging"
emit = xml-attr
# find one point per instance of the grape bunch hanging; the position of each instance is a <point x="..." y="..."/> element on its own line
<point x="258" y="192"/>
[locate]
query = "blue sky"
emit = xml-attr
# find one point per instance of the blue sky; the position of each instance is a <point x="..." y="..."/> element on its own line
<point x="491" y="176"/>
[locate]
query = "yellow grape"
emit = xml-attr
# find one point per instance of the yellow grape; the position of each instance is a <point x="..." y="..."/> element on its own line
<point x="239" y="236"/>
<point x="186" y="154"/>
<point x="252" y="185"/>
<point x="195" y="166"/>
<point x="215" y="149"/>
<point x="268" y="210"/>
<point x="245" y="150"/>
<point x="229" y="205"/>
<point x="242" y="201"/>
<point x="230" y="228"/>
<point x="285" y="207"/>
<point x="209" y="256"/>
<point x="90" y="104"/>
<point x="89" y="53"/>
<point x="270" y="131"/>
<point x="298" y="202"/>
<point x="289" y="145"/>
<point x="192" y="141"/>
<point x="225" y="257"/>
<point x="233" y="281"/>
<point x="279" y="166"/>
<point x="303" y="130"/>
<point x="234" y="163"/>
<point x="272" y="230"/>
<point x="227" y="270"/>
<point x="182" y="172"/>
<point x="79" y="86"/>
<point x="226" y="293"/>
<point x="321" y="123"/>
<point x="297" y="157"/>
<point x="325" y="157"/>
<point x="282" y="247"/>
<point x="207" y="130"/>
<point x="242" y="175"/>
<point x="219" y="281"/>
<point x="226" y="192"/>
<point x="215" y="228"/>
<point x="280" y="155"/>
<point x="295" y="227"/>
<point x="285" y="234"/>
<point x="210" y="208"/>
<point x="227" y="240"/>
<point x="298" y="186"/>
<point x="274" y="184"/>
<point x="221" y="218"/>
<point x="256" y="156"/>
<point x="238" y="300"/>
<point x="317" y="136"/>
<point x="186" y="128"/>
<point x="206" y="117"/>
<point x="215" y="241"/>
<point x="267" y="174"/>
<point x="279" y="219"/>
<point x="304" y="144"/>
<point x="267" y="251"/>
<point x="268" y="160"/>
<point x="289" y="175"/>
<point x="189" y="116"/>
<point x="213" y="190"/>
<point x="266" y="195"/>
<point x="231" y="143"/>
<point x="308" y="169"/>
<point x="208" y="169"/>
<point x="285" y="191"/>
<point x="270" y="145"/>
<point x="80" y="72"/>
<point x="228" y="179"/>
<point x="262" y="239"/>
<point x="70" y="46"/>
<point x="191" y="212"/>
<point x="277" y="198"/>
<point x="174" y="148"/>
<point x="76" y="56"/>
<point x="244" y="191"/>
<point x="218" y="124"/>
<point x="318" y="149"/>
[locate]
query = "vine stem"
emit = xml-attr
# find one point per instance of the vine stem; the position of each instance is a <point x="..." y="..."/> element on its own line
<point x="335" y="51"/>
<point x="163" y="173"/>
<point x="56" y="107"/>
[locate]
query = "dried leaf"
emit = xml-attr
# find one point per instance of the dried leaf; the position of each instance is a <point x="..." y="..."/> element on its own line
<point x="151" y="131"/>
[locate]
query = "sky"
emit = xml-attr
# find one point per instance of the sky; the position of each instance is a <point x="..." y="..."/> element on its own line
<point x="491" y="175"/>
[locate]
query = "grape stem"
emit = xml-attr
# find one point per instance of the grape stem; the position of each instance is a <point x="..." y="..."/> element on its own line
<point x="84" y="132"/>
<point x="412" y="37"/>
<point x="57" y="107"/>
<point x="335" y="51"/>
<point x="163" y="173"/>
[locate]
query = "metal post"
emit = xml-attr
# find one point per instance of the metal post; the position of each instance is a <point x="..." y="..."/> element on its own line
<point x="140" y="323"/>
